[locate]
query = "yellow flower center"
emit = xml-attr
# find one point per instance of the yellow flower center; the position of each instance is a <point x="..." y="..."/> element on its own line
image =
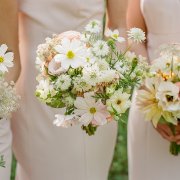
<point x="115" y="36"/>
<point x="70" y="54"/>
<point x="119" y="102"/>
<point x="1" y="59"/>
<point x="92" y="110"/>
<point x="87" y="59"/>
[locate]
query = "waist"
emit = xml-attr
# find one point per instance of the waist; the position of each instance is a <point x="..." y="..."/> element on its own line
<point x="155" y="40"/>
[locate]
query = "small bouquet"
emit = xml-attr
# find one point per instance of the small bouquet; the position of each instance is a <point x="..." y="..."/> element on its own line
<point x="8" y="97"/>
<point x="88" y="78"/>
<point x="159" y="98"/>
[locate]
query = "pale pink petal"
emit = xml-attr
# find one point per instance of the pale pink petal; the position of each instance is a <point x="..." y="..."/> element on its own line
<point x="89" y="99"/>
<point x="55" y="68"/>
<point x="80" y="103"/>
<point x="100" y="118"/>
<point x="80" y="112"/>
<point x="86" y="119"/>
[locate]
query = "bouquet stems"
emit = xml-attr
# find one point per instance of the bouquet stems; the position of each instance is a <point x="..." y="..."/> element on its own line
<point x="174" y="148"/>
<point x="90" y="129"/>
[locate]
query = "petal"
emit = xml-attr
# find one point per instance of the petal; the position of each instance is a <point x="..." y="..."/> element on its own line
<point x="3" y="68"/>
<point x="60" y="49"/>
<point x="108" y="33"/>
<point x="80" y="112"/>
<point x="59" y="57"/>
<point x="90" y="101"/>
<point x="8" y="63"/>
<point x="3" y="49"/>
<point x="100" y="118"/>
<point x="75" y="44"/>
<point x="116" y="32"/>
<point x="80" y="103"/>
<point x="86" y="119"/>
<point x="65" y="42"/>
<point x="9" y="56"/>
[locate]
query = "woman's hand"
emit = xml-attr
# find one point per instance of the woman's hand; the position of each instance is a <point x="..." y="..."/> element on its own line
<point x="165" y="131"/>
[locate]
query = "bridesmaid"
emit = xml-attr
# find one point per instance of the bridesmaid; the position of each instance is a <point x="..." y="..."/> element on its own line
<point x="149" y="158"/>
<point x="9" y="36"/>
<point x="43" y="151"/>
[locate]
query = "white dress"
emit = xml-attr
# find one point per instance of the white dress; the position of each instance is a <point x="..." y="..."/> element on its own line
<point x="149" y="157"/>
<point x="5" y="148"/>
<point x="46" y="152"/>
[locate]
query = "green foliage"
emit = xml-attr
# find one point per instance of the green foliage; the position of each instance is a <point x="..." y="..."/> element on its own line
<point x="119" y="167"/>
<point x="2" y="162"/>
<point x="90" y="130"/>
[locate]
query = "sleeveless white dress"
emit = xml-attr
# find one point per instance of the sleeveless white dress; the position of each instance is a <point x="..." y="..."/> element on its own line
<point x="46" y="152"/>
<point x="149" y="157"/>
<point x="5" y="148"/>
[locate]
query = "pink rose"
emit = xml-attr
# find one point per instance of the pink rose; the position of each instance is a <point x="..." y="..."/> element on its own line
<point x="70" y="35"/>
<point x="54" y="68"/>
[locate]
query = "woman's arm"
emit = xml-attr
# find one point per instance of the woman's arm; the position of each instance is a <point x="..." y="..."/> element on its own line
<point x="116" y="19"/>
<point x="135" y="19"/>
<point x="9" y="33"/>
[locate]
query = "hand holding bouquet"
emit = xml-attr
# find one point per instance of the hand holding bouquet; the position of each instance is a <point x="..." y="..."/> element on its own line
<point x="160" y="97"/>
<point x="87" y="77"/>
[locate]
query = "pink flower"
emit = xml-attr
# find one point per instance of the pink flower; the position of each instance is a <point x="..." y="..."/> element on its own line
<point x="91" y="111"/>
<point x="70" y="35"/>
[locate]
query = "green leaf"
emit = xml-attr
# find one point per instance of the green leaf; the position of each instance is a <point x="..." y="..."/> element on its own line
<point x="90" y="129"/>
<point x="2" y="162"/>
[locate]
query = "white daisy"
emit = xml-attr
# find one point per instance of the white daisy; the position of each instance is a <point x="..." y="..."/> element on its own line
<point x="68" y="100"/>
<point x="63" y="82"/>
<point x="119" y="101"/>
<point x="102" y="64"/>
<point x="91" y="74"/>
<point x="115" y="35"/>
<point x="137" y="35"/>
<point x="80" y="85"/>
<point x="70" y="53"/>
<point x="63" y="120"/>
<point x="93" y="26"/>
<point x="89" y="110"/>
<point x="44" y="88"/>
<point x="85" y="37"/>
<point x="6" y="58"/>
<point x="107" y="76"/>
<point x="89" y="58"/>
<point x="100" y="48"/>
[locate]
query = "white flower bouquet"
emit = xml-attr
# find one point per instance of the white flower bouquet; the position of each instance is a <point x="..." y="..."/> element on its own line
<point x="88" y="78"/>
<point x="8" y="97"/>
<point x="159" y="98"/>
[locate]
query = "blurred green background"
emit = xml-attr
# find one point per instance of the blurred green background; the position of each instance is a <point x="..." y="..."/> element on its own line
<point x="119" y="167"/>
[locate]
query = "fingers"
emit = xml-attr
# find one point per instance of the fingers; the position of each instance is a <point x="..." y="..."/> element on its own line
<point x="166" y="136"/>
<point x="166" y="132"/>
<point x="177" y="137"/>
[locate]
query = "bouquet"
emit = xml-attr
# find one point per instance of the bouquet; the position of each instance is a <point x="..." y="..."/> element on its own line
<point x="8" y="97"/>
<point x="87" y="77"/>
<point x="159" y="98"/>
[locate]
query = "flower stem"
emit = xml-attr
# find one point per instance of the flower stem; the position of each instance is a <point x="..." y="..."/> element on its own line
<point x="174" y="148"/>
<point x="90" y="129"/>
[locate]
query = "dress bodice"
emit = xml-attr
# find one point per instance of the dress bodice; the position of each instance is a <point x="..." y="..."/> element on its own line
<point x="62" y="15"/>
<point x="162" y="21"/>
